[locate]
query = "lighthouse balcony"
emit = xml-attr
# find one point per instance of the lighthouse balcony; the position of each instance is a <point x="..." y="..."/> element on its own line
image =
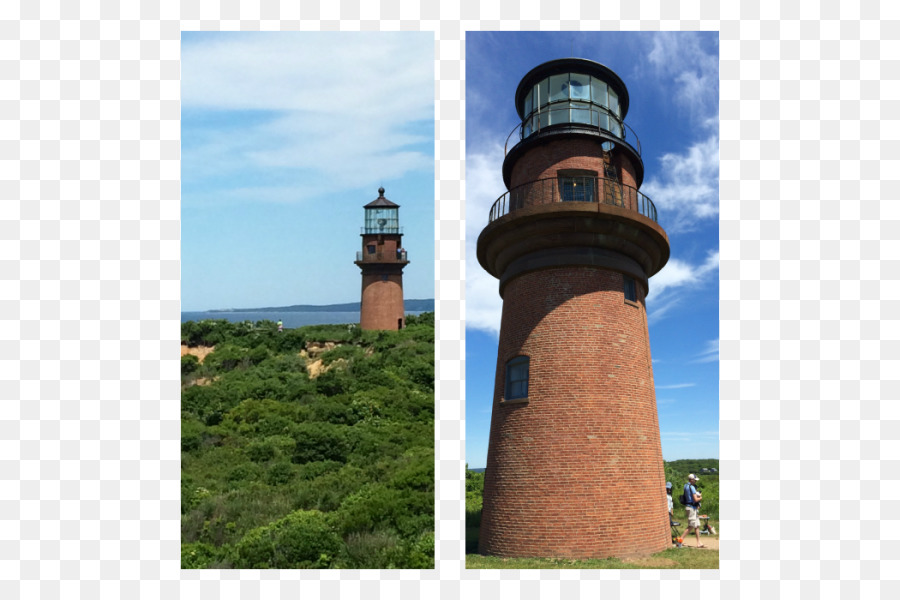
<point x="573" y="189"/>
<point x="382" y="257"/>
<point x="388" y="229"/>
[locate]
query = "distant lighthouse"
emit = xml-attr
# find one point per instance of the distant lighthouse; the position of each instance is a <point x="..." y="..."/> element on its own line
<point x="382" y="260"/>
<point x="574" y="466"/>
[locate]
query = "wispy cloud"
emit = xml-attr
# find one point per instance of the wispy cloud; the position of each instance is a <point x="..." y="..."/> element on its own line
<point x="686" y="188"/>
<point x="316" y="113"/>
<point x="709" y="354"/>
<point x="675" y="386"/>
<point x="678" y="275"/>
<point x="690" y="71"/>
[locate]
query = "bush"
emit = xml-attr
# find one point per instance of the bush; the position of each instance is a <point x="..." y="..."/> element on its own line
<point x="280" y="473"/>
<point x="373" y="507"/>
<point x="198" y="555"/>
<point x="315" y="469"/>
<point x="189" y="364"/>
<point x="301" y="540"/>
<point x="320" y="441"/>
<point x="367" y="550"/>
<point x="260" y="451"/>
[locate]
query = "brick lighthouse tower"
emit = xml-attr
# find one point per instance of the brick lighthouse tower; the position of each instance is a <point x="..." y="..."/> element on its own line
<point x="574" y="466"/>
<point x="382" y="260"/>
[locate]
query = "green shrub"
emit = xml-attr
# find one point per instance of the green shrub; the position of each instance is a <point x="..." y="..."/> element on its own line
<point x="301" y="540"/>
<point x="260" y="451"/>
<point x="198" y="555"/>
<point x="348" y="352"/>
<point x="320" y="441"/>
<point x="189" y="364"/>
<point x="315" y="469"/>
<point x="375" y="506"/>
<point x="243" y="473"/>
<point x="280" y="473"/>
<point x="367" y="550"/>
<point x="416" y="554"/>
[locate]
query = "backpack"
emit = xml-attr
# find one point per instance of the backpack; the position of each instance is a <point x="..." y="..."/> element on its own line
<point x="684" y="499"/>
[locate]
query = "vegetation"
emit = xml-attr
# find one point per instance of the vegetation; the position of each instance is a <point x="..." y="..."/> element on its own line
<point x="676" y="472"/>
<point x="283" y="469"/>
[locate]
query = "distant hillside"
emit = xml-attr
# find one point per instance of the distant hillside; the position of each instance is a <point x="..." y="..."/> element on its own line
<point x="409" y="305"/>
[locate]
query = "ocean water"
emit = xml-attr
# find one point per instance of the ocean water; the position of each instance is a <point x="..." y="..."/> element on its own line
<point x="289" y="319"/>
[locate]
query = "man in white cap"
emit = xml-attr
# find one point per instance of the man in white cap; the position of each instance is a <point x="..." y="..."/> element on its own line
<point x="693" y="495"/>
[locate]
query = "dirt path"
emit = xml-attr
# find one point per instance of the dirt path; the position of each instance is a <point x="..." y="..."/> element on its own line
<point x="690" y="541"/>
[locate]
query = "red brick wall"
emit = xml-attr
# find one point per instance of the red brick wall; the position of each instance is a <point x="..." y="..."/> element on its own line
<point x="382" y="301"/>
<point x="385" y="244"/>
<point x="576" y="471"/>
<point x="568" y="153"/>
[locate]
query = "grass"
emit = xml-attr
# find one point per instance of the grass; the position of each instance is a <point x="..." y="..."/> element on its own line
<point x="675" y="558"/>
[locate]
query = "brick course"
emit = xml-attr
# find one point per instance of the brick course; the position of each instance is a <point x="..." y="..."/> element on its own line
<point x="576" y="471"/>
<point x="381" y="300"/>
<point x="568" y="153"/>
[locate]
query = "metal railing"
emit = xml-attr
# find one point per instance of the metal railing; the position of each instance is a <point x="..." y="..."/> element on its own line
<point x="381" y="256"/>
<point x="390" y="230"/>
<point x="573" y="189"/>
<point x="586" y="117"/>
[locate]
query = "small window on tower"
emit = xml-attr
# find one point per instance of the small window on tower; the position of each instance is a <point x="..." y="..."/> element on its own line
<point x="517" y="378"/>
<point x="371" y="248"/>
<point x="630" y="289"/>
<point x="576" y="185"/>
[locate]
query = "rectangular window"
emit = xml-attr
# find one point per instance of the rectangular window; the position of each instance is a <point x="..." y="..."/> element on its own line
<point x="630" y="289"/>
<point x="517" y="378"/>
<point x="581" y="112"/>
<point x="559" y="87"/>
<point x="371" y="248"/>
<point x="598" y="92"/>
<point x="576" y="189"/>
<point x="580" y="87"/>
<point x="614" y="102"/>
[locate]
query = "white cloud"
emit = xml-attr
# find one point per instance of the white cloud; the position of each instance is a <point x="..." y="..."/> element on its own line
<point x="710" y="353"/>
<point x="677" y="275"/>
<point x="675" y="386"/>
<point x="484" y="184"/>
<point x="686" y="189"/>
<point x="315" y="112"/>
<point x="689" y="72"/>
<point x="327" y="74"/>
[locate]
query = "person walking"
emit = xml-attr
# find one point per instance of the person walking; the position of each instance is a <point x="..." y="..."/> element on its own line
<point x="692" y="498"/>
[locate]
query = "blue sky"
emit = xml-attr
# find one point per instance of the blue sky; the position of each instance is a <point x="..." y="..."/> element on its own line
<point x="673" y="85"/>
<point x="285" y="136"/>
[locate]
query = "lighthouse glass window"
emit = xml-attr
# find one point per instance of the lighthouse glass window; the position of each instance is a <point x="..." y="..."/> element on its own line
<point x="382" y="220"/>
<point x="517" y="378"/>
<point x="572" y="98"/>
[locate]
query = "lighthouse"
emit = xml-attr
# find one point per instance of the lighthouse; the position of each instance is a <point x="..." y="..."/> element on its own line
<point x="381" y="260"/>
<point x="574" y="466"/>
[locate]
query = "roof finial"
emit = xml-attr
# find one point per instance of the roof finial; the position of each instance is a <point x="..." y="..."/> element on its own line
<point x="381" y="192"/>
